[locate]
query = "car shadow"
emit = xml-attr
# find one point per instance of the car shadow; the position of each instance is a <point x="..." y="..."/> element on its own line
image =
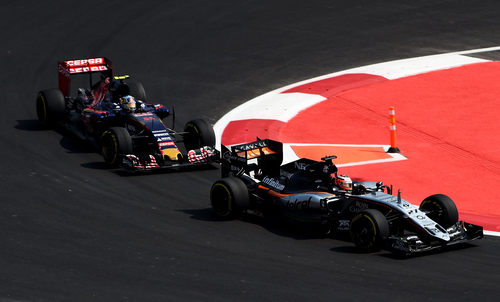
<point x="274" y="223"/>
<point x="97" y="165"/>
<point x="206" y="214"/>
<point x="281" y="226"/>
<point x="74" y="145"/>
<point x="69" y="141"/>
<point x="29" y="125"/>
<point x="435" y="252"/>
<point x="184" y="169"/>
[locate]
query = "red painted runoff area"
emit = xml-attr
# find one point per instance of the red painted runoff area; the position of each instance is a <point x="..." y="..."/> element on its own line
<point x="244" y="131"/>
<point x="447" y="126"/>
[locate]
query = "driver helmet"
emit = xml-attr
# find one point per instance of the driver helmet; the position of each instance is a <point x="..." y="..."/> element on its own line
<point x="344" y="182"/>
<point x="128" y="103"/>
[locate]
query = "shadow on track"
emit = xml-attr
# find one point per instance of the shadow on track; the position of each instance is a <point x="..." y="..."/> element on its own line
<point x="283" y="227"/>
<point x="68" y="141"/>
<point x="29" y="125"/>
<point x="274" y="223"/>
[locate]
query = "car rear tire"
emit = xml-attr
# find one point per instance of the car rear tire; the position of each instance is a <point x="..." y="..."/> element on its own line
<point x="369" y="229"/>
<point x="115" y="141"/>
<point x="229" y="197"/>
<point x="441" y="209"/>
<point x="50" y="106"/>
<point x="199" y="134"/>
<point x="137" y="90"/>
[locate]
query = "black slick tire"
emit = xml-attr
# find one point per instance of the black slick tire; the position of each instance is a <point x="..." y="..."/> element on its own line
<point x="137" y="91"/>
<point x="199" y="133"/>
<point x="50" y="106"/>
<point x="369" y="229"/>
<point x="115" y="141"/>
<point x="441" y="209"/>
<point x="229" y="197"/>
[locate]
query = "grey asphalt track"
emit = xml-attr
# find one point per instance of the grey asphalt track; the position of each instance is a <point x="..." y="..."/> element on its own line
<point x="72" y="230"/>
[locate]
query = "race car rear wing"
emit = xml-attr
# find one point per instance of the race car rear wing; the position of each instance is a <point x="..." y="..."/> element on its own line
<point x="261" y="154"/>
<point x="81" y="66"/>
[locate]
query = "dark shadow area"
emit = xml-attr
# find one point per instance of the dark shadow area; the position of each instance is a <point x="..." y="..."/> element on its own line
<point x="30" y="125"/>
<point x="206" y="214"/>
<point x="281" y="226"/>
<point x="166" y="170"/>
<point x="437" y="251"/>
<point x="74" y="144"/>
<point x="96" y="165"/>
<point x="68" y="141"/>
<point x="274" y="223"/>
<point x="348" y="249"/>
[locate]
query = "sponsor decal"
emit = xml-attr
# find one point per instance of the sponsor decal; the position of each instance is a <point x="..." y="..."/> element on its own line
<point x="298" y="204"/>
<point x="237" y="158"/>
<point x="87" y="69"/>
<point x="251" y="146"/>
<point x="300" y="166"/>
<point x="227" y="156"/>
<point x="63" y="70"/>
<point x="166" y="144"/>
<point x="273" y="183"/>
<point x="161" y="134"/>
<point x="344" y="225"/>
<point x="85" y="62"/>
<point x="358" y="207"/>
<point x="164" y="139"/>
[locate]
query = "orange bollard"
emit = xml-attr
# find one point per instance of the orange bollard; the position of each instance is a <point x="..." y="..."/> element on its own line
<point x="392" y="130"/>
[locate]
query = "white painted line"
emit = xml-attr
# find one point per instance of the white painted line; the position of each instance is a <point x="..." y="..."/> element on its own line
<point x="386" y="147"/>
<point x="487" y="49"/>
<point x="491" y="233"/>
<point x="281" y="107"/>
<point x="413" y="66"/>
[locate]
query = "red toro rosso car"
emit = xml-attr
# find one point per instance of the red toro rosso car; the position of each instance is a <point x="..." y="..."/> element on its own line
<point x="113" y="115"/>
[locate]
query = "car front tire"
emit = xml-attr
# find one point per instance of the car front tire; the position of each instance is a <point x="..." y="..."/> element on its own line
<point x="115" y="141"/>
<point x="369" y="229"/>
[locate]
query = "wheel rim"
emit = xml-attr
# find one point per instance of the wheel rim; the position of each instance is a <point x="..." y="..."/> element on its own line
<point x="363" y="232"/>
<point x="434" y="211"/>
<point x="221" y="200"/>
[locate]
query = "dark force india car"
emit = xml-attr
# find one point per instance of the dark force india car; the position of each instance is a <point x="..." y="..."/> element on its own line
<point x="312" y="191"/>
<point x="113" y="115"/>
